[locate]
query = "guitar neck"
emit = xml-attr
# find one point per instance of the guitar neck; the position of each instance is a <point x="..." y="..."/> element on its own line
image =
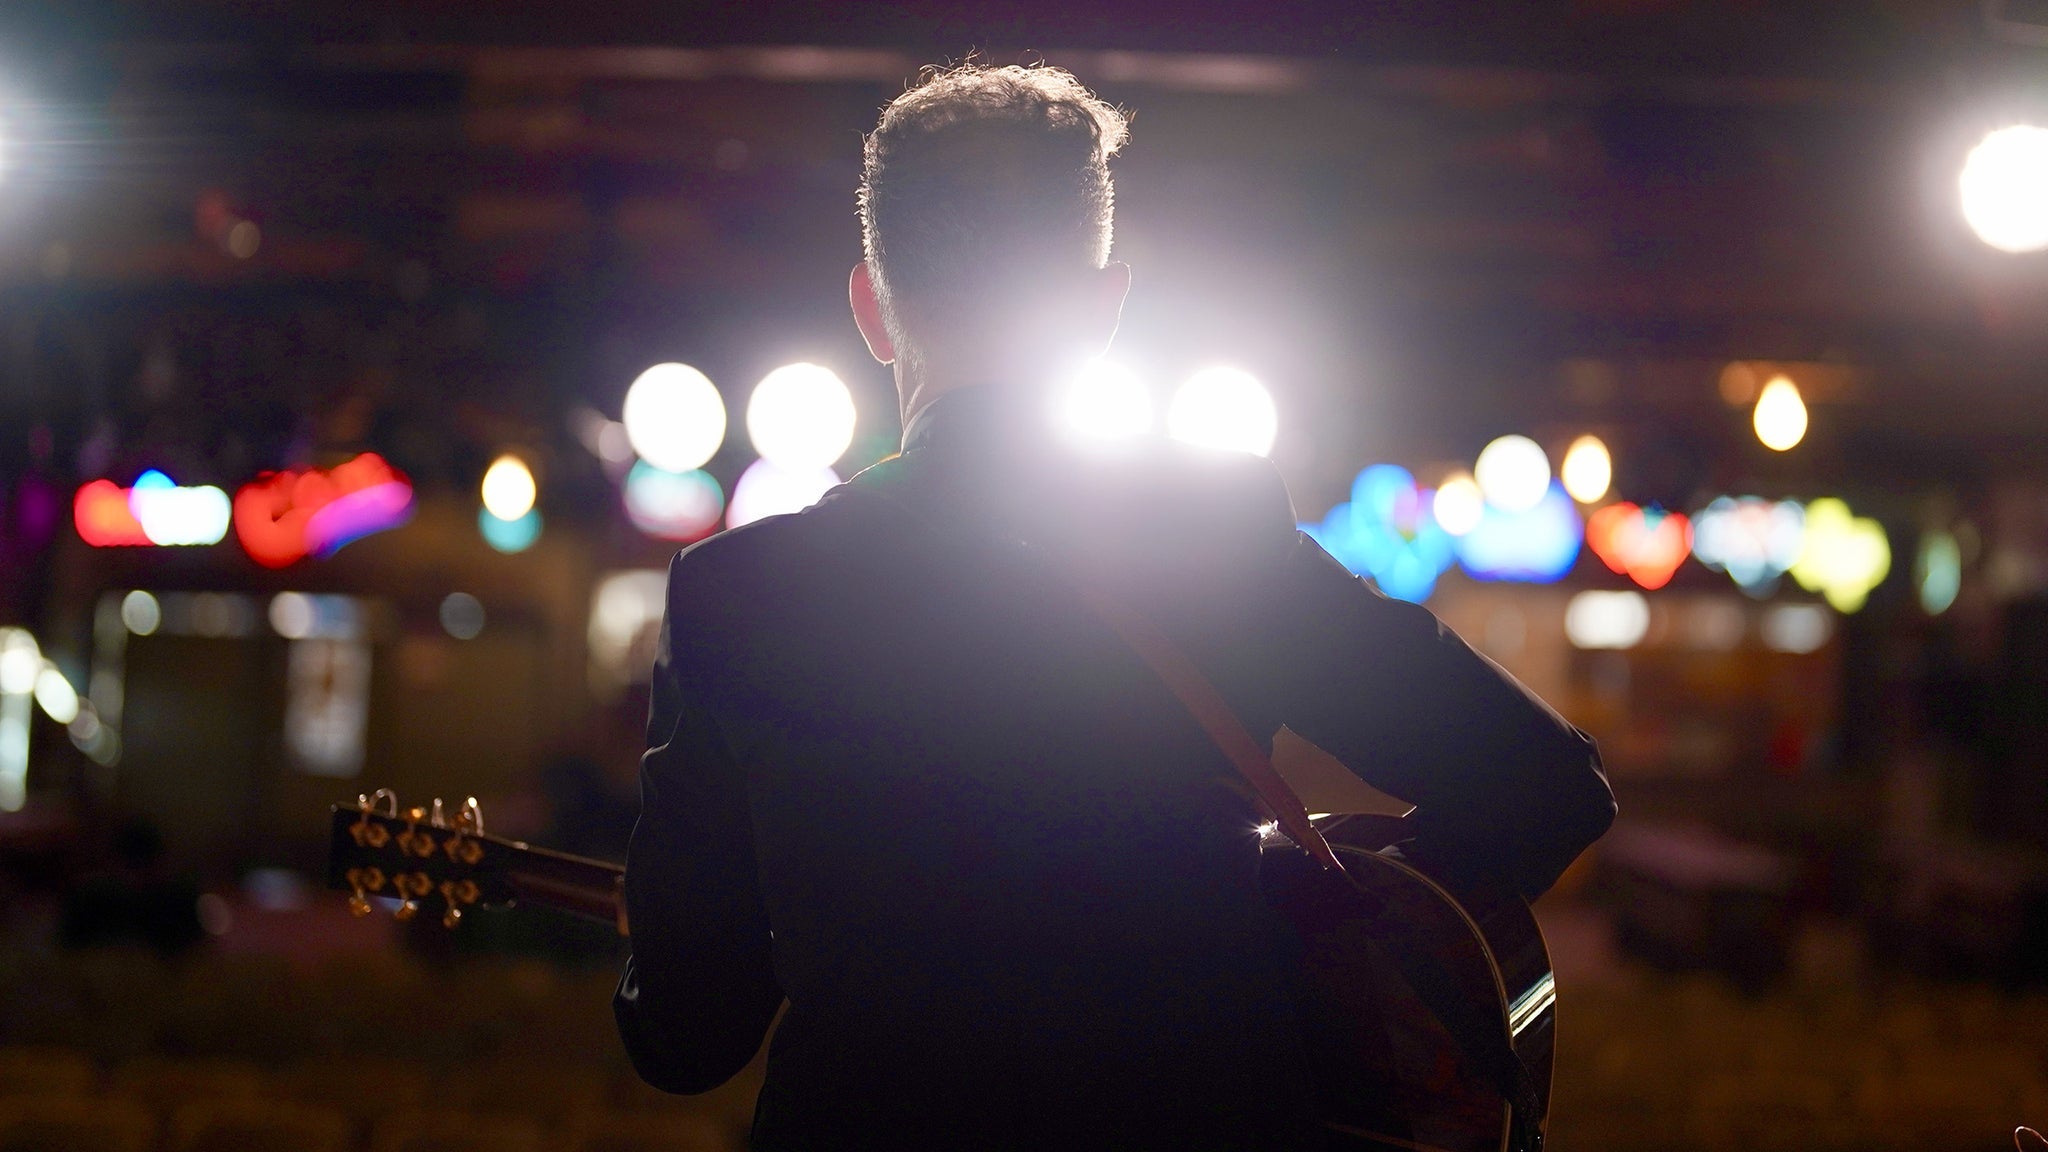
<point x="424" y="863"/>
<point x="592" y="889"/>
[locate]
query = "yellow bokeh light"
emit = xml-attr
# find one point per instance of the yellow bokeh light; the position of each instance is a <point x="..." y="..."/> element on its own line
<point x="1588" y="470"/>
<point x="1459" y="505"/>
<point x="1844" y="555"/>
<point x="509" y="490"/>
<point x="1780" y="415"/>
<point x="2004" y="186"/>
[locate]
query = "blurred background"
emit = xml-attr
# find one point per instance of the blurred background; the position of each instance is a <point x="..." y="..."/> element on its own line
<point x="363" y="363"/>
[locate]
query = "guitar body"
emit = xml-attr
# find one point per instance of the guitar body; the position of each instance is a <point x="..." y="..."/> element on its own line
<point x="1391" y="1072"/>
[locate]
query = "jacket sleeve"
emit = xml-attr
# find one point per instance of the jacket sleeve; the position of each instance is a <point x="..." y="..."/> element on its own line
<point x="1505" y="790"/>
<point x="698" y="991"/>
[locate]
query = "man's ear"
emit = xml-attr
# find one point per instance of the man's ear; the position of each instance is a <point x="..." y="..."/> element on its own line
<point x="867" y="314"/>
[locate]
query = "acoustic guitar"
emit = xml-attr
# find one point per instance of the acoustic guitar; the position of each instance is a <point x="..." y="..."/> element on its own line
<point x="1407" y="985"/>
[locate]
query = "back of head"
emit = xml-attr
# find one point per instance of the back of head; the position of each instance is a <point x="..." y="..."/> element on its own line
<point x="985" y="193"/>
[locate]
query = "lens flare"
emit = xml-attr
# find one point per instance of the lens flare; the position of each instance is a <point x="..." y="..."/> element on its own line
<point x="2004" y="186"/>
<point x="800" y="418"/>
<point x="1780" y="415"/>
<point x="1105" y="402"/>
<point x="674" y="417"/>
<point x="1225" y="408"/>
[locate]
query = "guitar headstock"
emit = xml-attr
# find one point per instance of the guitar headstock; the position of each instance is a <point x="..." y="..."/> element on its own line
<point x="420" y="857"/>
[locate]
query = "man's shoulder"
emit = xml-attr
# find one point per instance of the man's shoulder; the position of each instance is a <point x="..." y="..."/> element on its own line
<point x="1209" y="492"/>
<point x="771" y="546"/>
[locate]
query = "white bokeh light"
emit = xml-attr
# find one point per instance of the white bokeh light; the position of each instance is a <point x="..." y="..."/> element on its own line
<point x="56" y="695"/>
<point x="1588" y="470"/>
<point x="1105" y="401"/>
<point x="801" y="417"/>
<point x="1458" y="506"/>
<point x="1224" y="408"/>
<point x="1513" y="473"/>
<point x="2004" y="188"/>
<point x="508" y="488"/>
<point x="1780" y="416"/>
<point x="1615" y="620"/>
<point x="674" y="417"/>
<point x="766" y="490"/>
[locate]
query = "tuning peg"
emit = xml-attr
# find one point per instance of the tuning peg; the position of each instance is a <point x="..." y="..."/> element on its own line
<point x="456" y="893"/>
<point x="410" y="886"/>
<point x="362" y="881"/>
<point x="365" y="833"/>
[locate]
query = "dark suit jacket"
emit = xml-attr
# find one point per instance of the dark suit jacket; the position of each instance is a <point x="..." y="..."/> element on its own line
<point x="900" y="774"/>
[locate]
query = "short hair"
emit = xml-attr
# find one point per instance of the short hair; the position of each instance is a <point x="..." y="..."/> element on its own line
<point x="976" y="182"/>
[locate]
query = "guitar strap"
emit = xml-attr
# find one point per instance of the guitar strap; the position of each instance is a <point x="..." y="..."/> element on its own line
<point x="1482" y="1040"/>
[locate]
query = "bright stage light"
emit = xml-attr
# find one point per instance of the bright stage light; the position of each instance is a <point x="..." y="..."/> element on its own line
<point x="1224" y="408"/>
<point x="1780" y="415"/>
<point x="1459" y="506"/>
<point x="800" y="417"/>
<point x="1588" y="470"/>
<point x="1105" y="402"/>
<point x="508" y="489"/>
<point x="674" y="417"/>
<point x="2005" y="189"/>
<point x="1513" y="473"/>
<point x="766" y="490"/>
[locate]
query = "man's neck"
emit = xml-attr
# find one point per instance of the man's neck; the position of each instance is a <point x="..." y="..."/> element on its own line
<point x="919" y="387"/>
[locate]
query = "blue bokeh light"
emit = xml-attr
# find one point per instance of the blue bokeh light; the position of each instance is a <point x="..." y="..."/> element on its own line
<point x="1534" y="547"/>
<point x="1387" y="532"/>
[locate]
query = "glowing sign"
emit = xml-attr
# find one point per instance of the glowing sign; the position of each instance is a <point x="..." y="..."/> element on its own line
<point x="1753" y="540"/>
<point x="155" y="511"/>
<point x="1845" y="556"/>
<point x="1537" y="546"/>
<point x="1645" y="544"/>
<point x="1388" y="531"/>
<point x="283" y="517"/>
